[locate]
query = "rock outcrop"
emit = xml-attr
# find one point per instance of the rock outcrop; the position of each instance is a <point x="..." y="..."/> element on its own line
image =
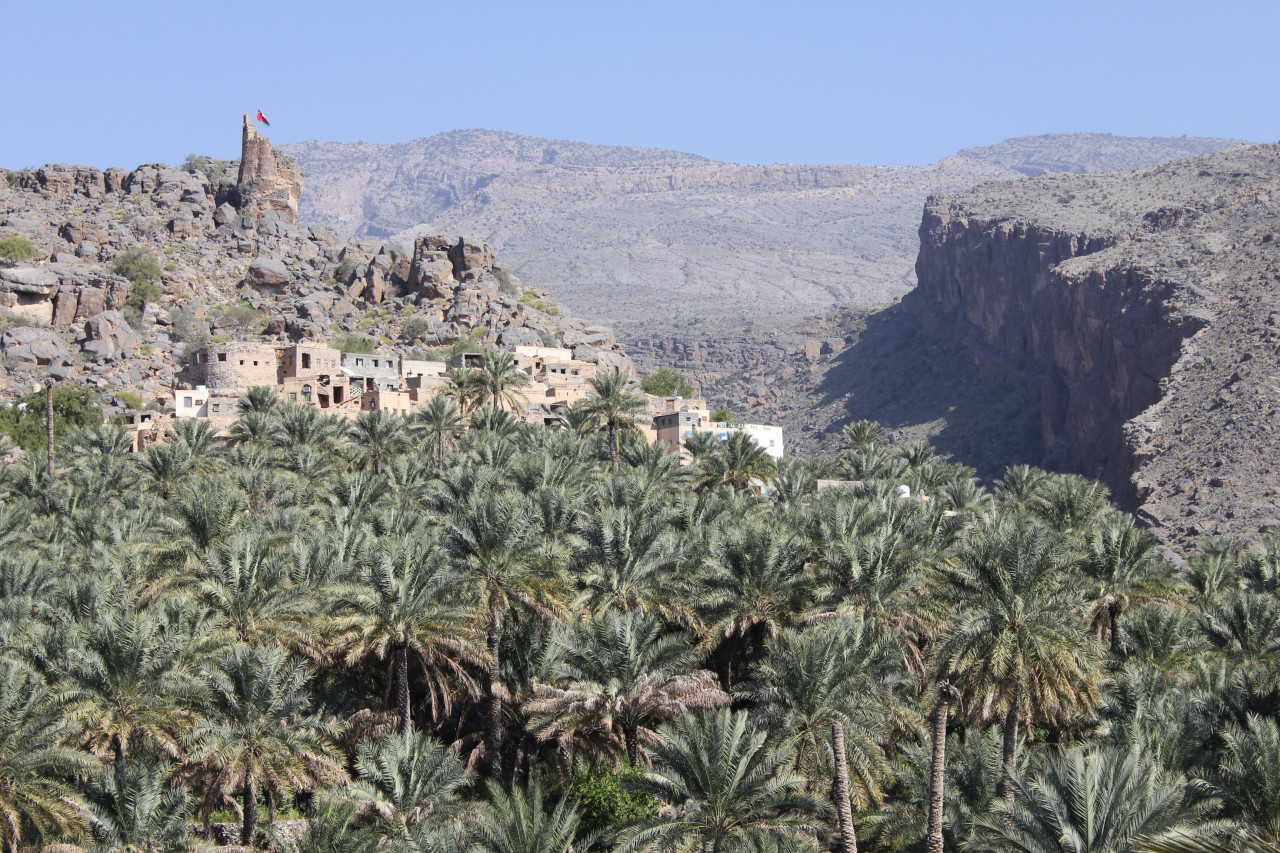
<point x="269" y="179"/>
<point x="1144" y="309"/>
<point x="235" y="274"/>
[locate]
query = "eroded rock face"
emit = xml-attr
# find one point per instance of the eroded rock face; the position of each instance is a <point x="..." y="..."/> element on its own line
<point x="1139" y="306"/>
<point x="268" y="180"/>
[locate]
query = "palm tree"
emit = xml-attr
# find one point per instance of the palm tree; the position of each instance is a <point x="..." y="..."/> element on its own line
<point x="519" y="821"/>
<point x="36" y="804"/>
<point x="614" y="404"/>
<point x="737" y="461"/>
<point x="735" y="789"/>
<point x="626" y="556"/>
<point x="337" y="827"/>
<point x="257" y="734"/>
<point x="829" y="689"/>
<point x="622" y="674"/>
<point x="1249" y="774"/>
<point x="498" y="376"/>
<point x="1177" y="842"/>
<point x="1014" y="634"/>
<point x="1122" y="564"/>
<point x="498" y="549"/>
<point x="406" y="779"/>
<point x="861" y="435"/>
<point x="260" y="399"/>
<point x="136" y="810"/>
<point x="438" y="425"/>
<point x="404" y="609"/>
<point x="1087" y="801"/>
<point x="125" y="686"/>
<point x="462" y="385"/>
<point x="378" y="436"/>
<point x="756" y="585"/>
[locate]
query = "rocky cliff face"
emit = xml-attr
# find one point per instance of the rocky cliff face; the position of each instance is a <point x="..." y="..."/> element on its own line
<point x="1141" y="308"/>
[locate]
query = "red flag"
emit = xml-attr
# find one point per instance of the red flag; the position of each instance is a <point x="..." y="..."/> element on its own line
<point x="263" y="119"/>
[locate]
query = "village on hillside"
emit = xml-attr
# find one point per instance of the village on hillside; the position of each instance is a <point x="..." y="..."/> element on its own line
<point x="348" y="383"/>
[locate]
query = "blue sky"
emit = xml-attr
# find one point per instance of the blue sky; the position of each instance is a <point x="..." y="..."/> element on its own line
<point x="124" y="83"/>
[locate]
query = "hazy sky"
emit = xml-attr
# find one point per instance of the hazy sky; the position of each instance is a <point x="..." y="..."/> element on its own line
<point x="123" y="83"/>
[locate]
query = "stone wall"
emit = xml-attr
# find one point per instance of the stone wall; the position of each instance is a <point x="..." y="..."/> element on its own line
<point x="233" y="367"/>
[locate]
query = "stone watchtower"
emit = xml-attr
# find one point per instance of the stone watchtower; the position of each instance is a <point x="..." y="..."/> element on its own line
<point x="268" y="179"/>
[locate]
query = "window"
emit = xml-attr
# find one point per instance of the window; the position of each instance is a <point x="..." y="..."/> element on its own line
<point x="375" y="362"/>
<point x="186" y="402"/>
<point x="255" y="364"/>
<point x="216" y="407"/>
<point x="359" y="362"/>
<point x="306" y="360"/>
<point x="242" y="362"/>
<point x="293" y="396"/>
<point x="306" y="392"/>
<point x="222" y="356"/>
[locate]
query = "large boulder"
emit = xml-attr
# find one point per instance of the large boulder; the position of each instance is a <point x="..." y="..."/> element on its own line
<point x="268" y="274"/>
<point x="109" y="338"/>
<point x="32" y="345"/>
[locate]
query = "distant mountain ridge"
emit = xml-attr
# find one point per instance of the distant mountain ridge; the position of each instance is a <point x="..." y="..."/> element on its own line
<point x="651" y="241"/>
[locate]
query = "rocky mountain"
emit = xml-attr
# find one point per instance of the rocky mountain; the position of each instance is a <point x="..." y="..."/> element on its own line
<point x="662" y="243"/>
<point x="1093" y="152"/>
<point x="108" y="278"/>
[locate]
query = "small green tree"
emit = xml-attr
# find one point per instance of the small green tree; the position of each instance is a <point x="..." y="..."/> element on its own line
<point x="73" y="407"/>
<point x="140" y="267"/>
<point x="412" y="329"/>
<point x="610" y="798"/>
<point x="666" y="382"/>
<point x="722" y="415"/>
<point x="17" y="249"/>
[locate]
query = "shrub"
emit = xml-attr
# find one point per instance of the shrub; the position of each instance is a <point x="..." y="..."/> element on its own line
<point x="412" y="329"/>
<point x="666" y="382"/>
<point x="17" y="248"/>
<point x="129" y="399"/>
<point x="508" y="284"/>
<point x="171" y="266"/>
<point x="354" y="343"/>
<point x="245" y="318"/>
<point x="722" y="415"/>
<point x="141" y="268"/>
<point x="609" y="798"/>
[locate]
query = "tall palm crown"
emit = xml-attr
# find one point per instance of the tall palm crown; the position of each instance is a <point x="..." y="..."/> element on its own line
<point x="498" y="378"/>
<point x="737" y="461"/>
<point x="736" y="789"/>
<point x="614" y="404"/>
<point x="258" y="734"/>
<point x="620" y="675"/>
<point x="1014" y="646"/>
<point x="830" y="688"/>
<point x="1089" y="802"/>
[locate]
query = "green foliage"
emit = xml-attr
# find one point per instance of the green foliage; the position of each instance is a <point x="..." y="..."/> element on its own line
<point x="666" y="382"/>
<point x="722" y="415"/>
<point x="129" y="399"/>
<point x="412" y="329"/>
<point x="73" y="407"/>
<point x="170" y="266"/>
<point x="141" y="268"/>
<point x="17" y="248"/>
<point x="246" y="319"/>
<point x="353" y="343"/>
<point x="608" y="798"/>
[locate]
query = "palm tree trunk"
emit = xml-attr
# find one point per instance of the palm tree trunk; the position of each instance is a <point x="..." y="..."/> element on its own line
<point x="613" y="444"/>
<point x="848" y="838"/>
<point x="493" y="735"/>
<point x="937" y="778"/>
<point x="1010" y="748"/>
<point x="1117" y="639"/>
<point x="632" y="738"/>
<point x="250" y="810"/>
<point x="402" y="689"/>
